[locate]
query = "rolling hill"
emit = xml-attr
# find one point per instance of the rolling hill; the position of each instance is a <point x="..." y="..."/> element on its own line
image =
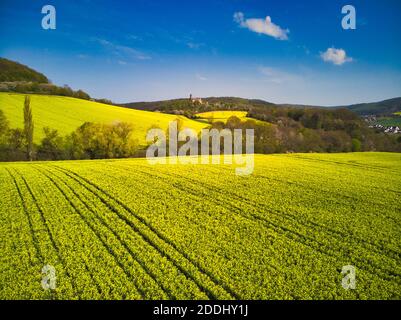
<point x="221" y="115"/>
<point x="66" y="114"/>
<point x="14" y="72"/>
<point x="218" y="103"/>
<point x="11" y="71"/>
<point x="384" y="107"/>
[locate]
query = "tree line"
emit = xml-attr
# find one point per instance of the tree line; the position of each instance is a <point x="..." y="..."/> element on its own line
<point x="89" y="141"/>
<point x="48" y="89"/>
<point x="308" y="130"/>
<point x="280" y="130"/>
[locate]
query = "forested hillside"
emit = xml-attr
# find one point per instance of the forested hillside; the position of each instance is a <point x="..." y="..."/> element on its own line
<point x="11" y="71"/>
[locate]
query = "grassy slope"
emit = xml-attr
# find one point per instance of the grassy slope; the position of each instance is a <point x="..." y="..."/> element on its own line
<point x="66" y="114"/>
<point x="221" y="115"/>
<point x="224" y="115"/>
<point x="283" y="233"/>
<point x="14" y="71"/>
<point x="389" y="121"/>
<point x="383" y="107"/>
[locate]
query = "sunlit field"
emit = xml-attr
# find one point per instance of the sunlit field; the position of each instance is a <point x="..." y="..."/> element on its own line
<point x="125" y="229"/>
<point x="66" y="114"/>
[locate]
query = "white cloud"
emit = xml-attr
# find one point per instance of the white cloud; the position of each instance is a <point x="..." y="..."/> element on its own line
<point x="200" y="77"/>
<point x="194" y="45"/>
<point x="121" y="51"/>
<point x="335" y="56"/>
<point x="134" y="37"/>
<point x="262" y="26"/>
<point x="277" y="76"/>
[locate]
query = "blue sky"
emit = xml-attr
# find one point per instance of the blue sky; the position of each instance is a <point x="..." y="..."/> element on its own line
<point x="143" y="50"/>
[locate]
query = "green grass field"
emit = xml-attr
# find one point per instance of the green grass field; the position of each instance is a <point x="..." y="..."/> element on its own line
<point x="222" y="115"/>
<point x="66" y="114"/>
<point x="389" y="121"/>
<point x="126" y="229"/>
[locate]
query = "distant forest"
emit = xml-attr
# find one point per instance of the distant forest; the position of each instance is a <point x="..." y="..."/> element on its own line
<point x="16" y="77"/>
<point x="293" y="128"/>
<point x="277" y="130"/>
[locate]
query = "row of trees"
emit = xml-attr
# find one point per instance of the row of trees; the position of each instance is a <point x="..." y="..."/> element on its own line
<point x="17" y="144"/>
<point x="48" y="89"/>
<point x="89" y="141"/>
<point x="300" y="130"/>
<point x="336" y="136"/>
<point x="43" y="88"/>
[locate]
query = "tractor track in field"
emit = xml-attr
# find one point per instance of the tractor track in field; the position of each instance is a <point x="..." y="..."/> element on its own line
<point x="335" y="233"/>
<point x="292" y="235"/>
<point x="25" y="209"/>
<point x="317" y="174"/>
<point x="134" y="255"/>
<point x="278" y="213"/>
<point x="356" y="165"/>
<point x="238" y="211"/>
<point x="105" y="245"/>
<point x="319" y="189"/>
<point x="98" y="287"/>
<point x="296" y="237"/>
<point x="28" y="242"/>
<point x="193" y="221"/>
<point x="330" y="193"/>
<point x="267" y="264"/>
<point x="50" y="234"/>
<point x="338" y="235"/>
<point x="167" y="243"/>
<point x="84" y="219"/>
<point x="200" y="231"/>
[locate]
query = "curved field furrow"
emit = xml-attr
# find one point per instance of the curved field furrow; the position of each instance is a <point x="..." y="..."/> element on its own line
<point x="48" y="250"/>
<point x="19" y="261"/>
<point x="142" y="190"/>
<point x="108" y="243"/>
<point x="49" y="232"/>
<point x="208" y="188"/>
<point x="77" y="248"/>
<point x="194" y="261"/>
<point x="35" y="241"/>
<point x="391" y="274"/>
<point x="157" y="241"/>
<point x="135" y="246"/>
<point x="335" y="251"/>
<point x="288" y="214"/>
<point x="127" y="229"/>
<point x="245" y="196"/>
<point x="361" y="166"/>
<point x="140" y="180"/>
